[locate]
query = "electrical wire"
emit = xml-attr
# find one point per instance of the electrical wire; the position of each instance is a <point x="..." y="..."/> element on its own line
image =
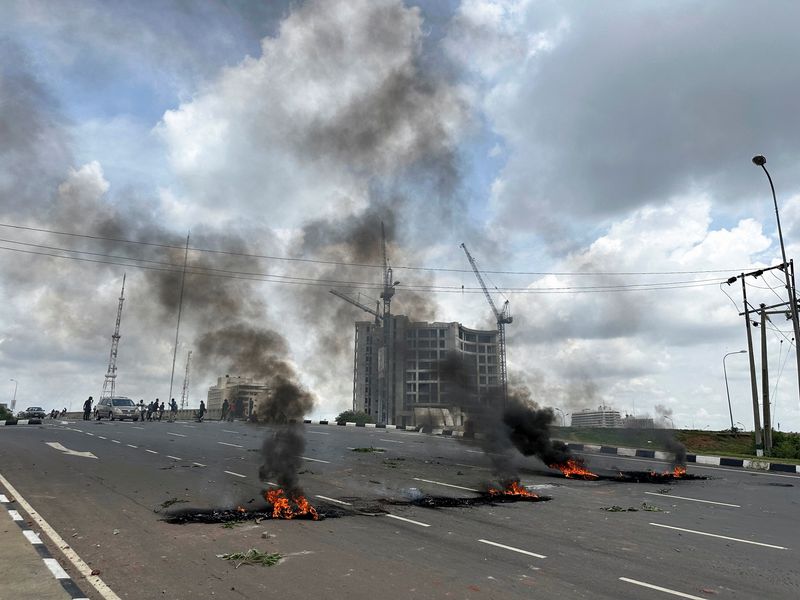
<point x="356" y="264"/>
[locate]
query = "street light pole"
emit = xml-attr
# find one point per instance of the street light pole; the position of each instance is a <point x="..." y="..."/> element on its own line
<point x="563" y="418"/>
<point x="760" y="161"/>
<point x="14" y="399"/>
<point x="727" y="390"/>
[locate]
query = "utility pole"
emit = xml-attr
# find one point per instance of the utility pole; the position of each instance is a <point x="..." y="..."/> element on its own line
<point x="765" y="382"/>
<point x="753" y="384"/>
<point x="178" y="326"/>
<point x="111" y="373"/>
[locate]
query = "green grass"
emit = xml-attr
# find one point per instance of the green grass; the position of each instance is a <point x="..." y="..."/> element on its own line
<point x="252" y="557"/>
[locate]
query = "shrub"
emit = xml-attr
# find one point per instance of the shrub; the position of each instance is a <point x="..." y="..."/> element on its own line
<point x="350" y="416"/>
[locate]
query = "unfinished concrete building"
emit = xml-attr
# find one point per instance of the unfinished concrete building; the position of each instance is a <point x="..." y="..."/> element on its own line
<point x="241" y="393"/>
<point x="396" y="379"/>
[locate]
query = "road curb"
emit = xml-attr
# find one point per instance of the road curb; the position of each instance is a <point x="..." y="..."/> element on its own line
<point x="700" y="459"/>
<point x="10" y="422"/>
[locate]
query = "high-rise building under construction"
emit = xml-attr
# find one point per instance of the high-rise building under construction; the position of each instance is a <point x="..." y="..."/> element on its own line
<point x="398" y="380"/>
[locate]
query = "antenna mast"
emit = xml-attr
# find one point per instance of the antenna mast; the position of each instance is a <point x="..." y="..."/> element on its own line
<point x="185" y="391"/>
<point x="111" y="373"/>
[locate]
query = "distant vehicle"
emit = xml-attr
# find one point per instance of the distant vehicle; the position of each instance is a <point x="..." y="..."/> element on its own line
<point x="118" y="407"/>
<point x="32" y="412"/>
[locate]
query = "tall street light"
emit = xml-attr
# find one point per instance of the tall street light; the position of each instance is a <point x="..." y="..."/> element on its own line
<point x="760" y="161"/>
<point x="14" y="399"/>
<point x="727" y="390"/>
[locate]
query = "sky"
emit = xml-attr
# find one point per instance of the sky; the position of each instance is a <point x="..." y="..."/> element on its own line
<point x="594" y="157"/>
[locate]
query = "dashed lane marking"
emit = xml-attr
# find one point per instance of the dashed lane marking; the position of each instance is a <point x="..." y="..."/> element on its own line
<point x="723" y="537"/>
<point x="227" y="444"/>
<point x="236" y="474"/>
<point x="151" y="451"/>
<point x="199" y="464"/>
<point x="173" y="433"/>
<point x="3" y="498"/>
<point x="131" y="446"/>
<point x="327" y="462"/>
<point x="15" y="515"/>
<point x="89" y="433"/>
<point x="392" y="441"/>
<point x="102" y="438"/>
<point x="391" y="516"/>
<point x="105" y="592"/>
<point x="174" y="457"/>
<point x="660" y="589"/>
<point x="137" y="427"/>
<point x="692" y="499"/>
<point x="342" y="502"/>
<point x="318" y="432"/>
<point x="521" y="551"/>
<point x="229" y="431"/>
<point x="116" y="441"/>
<point x="450" y="485"/>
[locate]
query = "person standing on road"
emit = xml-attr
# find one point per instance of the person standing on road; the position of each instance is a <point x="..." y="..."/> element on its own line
<point x="141" y="408"/>
<point x="202" y="411"/>
<point x="225" y="408"/>
<point x="87" y="409"/>
<point x="160" y="411"/>
<point x="173" y="410"/>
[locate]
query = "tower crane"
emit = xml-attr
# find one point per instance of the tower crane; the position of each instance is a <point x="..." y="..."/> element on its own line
<point x="111" y="374"/>
<point x="373" y="311"/>
<point x="503" y="317"/>
<point x="185" y="391"/>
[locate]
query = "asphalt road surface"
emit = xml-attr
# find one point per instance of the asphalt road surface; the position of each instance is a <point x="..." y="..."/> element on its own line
<point x="736" y="535"/>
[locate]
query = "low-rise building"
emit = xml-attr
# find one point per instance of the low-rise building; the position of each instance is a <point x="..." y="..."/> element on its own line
<point x="241" y="393"/>
<point x="604" y="416"/>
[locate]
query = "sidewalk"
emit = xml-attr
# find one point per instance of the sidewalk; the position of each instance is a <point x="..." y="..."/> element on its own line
<point x="26" y="575"/>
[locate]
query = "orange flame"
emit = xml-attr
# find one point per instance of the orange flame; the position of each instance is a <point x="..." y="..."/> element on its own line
<point x="679" y="471"/>
<point x="241" y="509"/>
<point x="573" y="468"/>
<point x="512" y="489"/>
<point x="282" y="505"/>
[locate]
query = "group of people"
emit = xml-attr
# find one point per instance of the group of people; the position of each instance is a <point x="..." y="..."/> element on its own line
<point x="54" y="414"/>
<point x="155" y="410"/>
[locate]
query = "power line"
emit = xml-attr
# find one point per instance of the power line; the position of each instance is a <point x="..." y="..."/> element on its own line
<point x="356" y="264"/>
<point x="272" y="278"/>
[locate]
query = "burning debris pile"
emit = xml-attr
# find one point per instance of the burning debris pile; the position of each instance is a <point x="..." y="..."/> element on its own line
<point x="294" y="507"/>
<point x="280" y="507"/>
<point x="573" y="468"/>
<point x="513" y="491"/>
<point x="677" y="473"/>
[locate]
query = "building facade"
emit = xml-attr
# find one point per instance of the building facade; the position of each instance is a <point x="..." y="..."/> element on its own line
<point x="241" y="393"/>
<point x="602" y="417"/>
<point x="396" y="377"/>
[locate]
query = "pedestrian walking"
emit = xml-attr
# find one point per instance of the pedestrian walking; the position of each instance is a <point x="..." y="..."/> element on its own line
<point x="160" y="411"/>
<point x="173" y="410"/>
<point x="225" y="409"/>
<point x="201" y="412"/>
<point x="87" y="408"/>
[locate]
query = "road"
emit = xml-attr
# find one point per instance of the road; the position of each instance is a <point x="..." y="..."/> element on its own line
<point x="735" y="535"/>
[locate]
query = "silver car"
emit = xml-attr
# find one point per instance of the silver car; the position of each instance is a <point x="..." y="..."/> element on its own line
<point x="118" y="407"/>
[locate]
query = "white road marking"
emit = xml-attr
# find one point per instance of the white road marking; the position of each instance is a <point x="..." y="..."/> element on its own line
<point x="151" y="451"/>
<point x="458" y="487"/>
<point x="116" y="441"/>
<point x="692" y="499"/>
<point x="229" y="431"/>
<point x="474" y="451"/>
<point x="660" y="589"/>
<point x="272" y="483"/>
<point x="512" y="549"/>
<point x="174" y="457"/>
<point x="131" y="446"/>
<point x="137" y="427"/>
<point x="55" y="568"/>
<point x="407" y="520"/>
<point x="327" y="462"/>
<point x="724" y="537"/>
<point x="105" y="592"/>
<point x="392" y="441"/>
<point x="102" y="438"/>
<point x="335" y="500"/>
<point x="318" y="432"/>
<point x="199" y="464"/>
<point x="68" y="452"/>
<point x="3" y="498"/>
<point x="178" y="434"/>
<point x="31" y="536"/>
<point x="190" y="426"/>
<point x="88" y="433"/>
<point x="227" y="444"/>
<point x="237" y="474"/>
<point x="15" y="516"/>
<point x="472" y="466"/>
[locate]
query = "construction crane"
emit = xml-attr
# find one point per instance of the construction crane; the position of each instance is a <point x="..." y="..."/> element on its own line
<point x="111" y="374"/>
<point x="503" y="317"/>
<point x="373" y="311"/>
<point x="185" y="391"/>
<point x="388" y="284"/>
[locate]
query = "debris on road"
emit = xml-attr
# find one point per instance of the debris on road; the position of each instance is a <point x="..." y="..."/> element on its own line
<point x="252" y="557"/>
<point x="616" y="508"/>
<point x="171" y="501"/>
<point x="368" y="449"/>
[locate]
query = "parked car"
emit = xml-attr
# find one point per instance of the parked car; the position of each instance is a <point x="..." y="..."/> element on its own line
<point x="32" y="412"/>
<point x="118" y="407"/>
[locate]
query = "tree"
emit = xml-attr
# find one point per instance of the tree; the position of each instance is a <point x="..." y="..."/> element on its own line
<point x="350" y="416"/>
